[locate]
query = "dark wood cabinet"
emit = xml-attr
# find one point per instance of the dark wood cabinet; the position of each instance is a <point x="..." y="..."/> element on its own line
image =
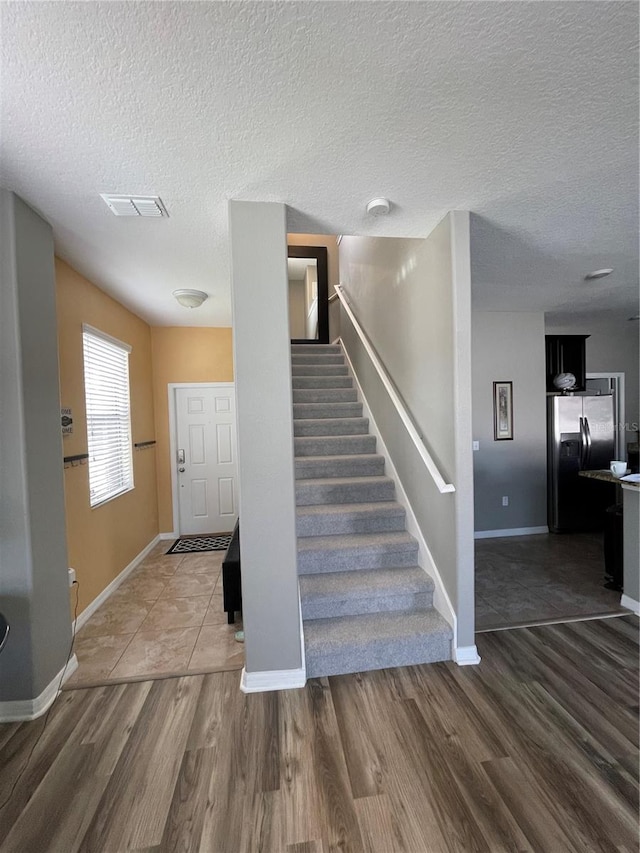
<point x="566" y="354"/>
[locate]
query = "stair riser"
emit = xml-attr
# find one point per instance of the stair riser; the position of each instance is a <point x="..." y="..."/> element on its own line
<point x="352" y="559"/>
<point x="345" y="493"/>
<point x="319" y="370"/>
<point x="335" y="446"/>
<point x="317" y="359"/>
<point x="325" y="395"/>
<point x="357" y="606"/>
<point x="333" y="524"/>
<point x="298" y="382"/>
<point x="341" y="426"/>
<point x="315" y="349"/>
<point x="327" y="410"/>
<point x="311" y="468"/>
<point x="381" y="655"/>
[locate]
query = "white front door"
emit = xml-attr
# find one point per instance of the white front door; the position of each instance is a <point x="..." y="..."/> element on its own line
<point x="206" y="458"/>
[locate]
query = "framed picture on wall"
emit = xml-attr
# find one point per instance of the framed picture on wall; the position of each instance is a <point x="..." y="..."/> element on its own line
<point x="502" y="411"/>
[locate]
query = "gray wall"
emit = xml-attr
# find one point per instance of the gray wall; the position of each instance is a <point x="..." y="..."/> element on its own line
<point x="613" y="345"/>
<point x="509" y="346"/>
<point x="33" y="559"/>
<point x="412" y="297"/>
<point x="262" y="366"/>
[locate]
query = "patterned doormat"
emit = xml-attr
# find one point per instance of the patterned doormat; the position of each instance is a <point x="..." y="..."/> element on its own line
<point x="189" y="544"/>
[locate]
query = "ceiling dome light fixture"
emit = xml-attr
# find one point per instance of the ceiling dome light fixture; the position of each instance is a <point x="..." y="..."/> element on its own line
<point x="379" y="206"/>
<point x="590" y="276"/>
<point x="190" y="298"/>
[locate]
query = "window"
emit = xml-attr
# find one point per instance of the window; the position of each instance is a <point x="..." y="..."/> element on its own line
<point x="106" y="385"/>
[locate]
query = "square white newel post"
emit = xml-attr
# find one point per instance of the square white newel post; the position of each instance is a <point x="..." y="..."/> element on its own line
<point x="258" y="237"/>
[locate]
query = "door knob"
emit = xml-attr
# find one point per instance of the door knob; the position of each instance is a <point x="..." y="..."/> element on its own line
<point x="181" y="470"/>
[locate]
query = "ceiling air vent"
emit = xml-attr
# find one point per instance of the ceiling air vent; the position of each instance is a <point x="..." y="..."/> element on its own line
<point x="134" y="205"/>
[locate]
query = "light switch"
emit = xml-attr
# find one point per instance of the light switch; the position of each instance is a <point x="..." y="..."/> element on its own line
<point x="476" y="445"/>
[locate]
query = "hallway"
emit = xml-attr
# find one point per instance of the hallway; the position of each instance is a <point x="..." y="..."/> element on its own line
<point x="165" y="619"/>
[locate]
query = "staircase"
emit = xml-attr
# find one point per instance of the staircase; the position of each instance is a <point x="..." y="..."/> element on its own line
<point x="366" y="604"/>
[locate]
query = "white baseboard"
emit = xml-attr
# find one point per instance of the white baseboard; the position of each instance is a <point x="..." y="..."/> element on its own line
<point x="171" y="535"/>
<point x="630" y="604"/>
<point x="24" y="710"/>
<point x="277" y="679"/>
<point x="90" y="609"/>
<point x="466" y="655"/>
<point x="509" y="531"/>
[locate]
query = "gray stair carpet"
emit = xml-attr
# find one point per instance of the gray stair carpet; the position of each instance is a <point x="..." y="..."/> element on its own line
<point x="366" y="604"/>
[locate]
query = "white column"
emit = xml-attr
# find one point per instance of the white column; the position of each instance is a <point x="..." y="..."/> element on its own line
<point x="262" y="367"/>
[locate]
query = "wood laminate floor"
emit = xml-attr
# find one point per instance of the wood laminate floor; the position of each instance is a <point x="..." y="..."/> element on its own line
<point x="536" y="749"/>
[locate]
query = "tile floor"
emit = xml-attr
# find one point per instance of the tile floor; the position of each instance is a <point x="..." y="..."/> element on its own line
<point x="165" y="619"/>
<point x="522" y="580"/>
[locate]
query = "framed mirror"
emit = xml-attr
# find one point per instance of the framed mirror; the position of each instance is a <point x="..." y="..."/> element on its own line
<point x="308" y="294"/>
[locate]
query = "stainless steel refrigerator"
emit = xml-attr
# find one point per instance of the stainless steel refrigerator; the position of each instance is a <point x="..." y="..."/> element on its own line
<point x="580" y="437"/>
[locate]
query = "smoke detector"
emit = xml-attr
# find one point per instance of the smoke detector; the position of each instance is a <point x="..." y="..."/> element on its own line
<point x="379" y="206"/>
<point x="135" y="205"/>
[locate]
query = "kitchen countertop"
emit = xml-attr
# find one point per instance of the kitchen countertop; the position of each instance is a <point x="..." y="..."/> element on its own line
<point x="607" y="477"/>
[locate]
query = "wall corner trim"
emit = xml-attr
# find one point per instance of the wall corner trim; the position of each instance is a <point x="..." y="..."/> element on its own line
<point x="277" y="679"/>
<point x="466" y="655"/>
<point x="24" y="710"/>
<point x="630" y="604"/>
<point x="90" y="609"/>
<point x="509" y="531"/>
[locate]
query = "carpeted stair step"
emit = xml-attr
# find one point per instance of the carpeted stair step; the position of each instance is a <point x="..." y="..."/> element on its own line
<point x="334" y="594"/>
<point x="343" y="490"/>
<point x="325" y="395"/>
<point x="375" y="641"/>
<point x="331" y="426"/>
<point x="355" y="551"/>
<point x="360" y="465"/>
<point x="334" y="445"/>
<point x="319" y="370"/>
<point x="298" y="382"/>
<point x="337" y="519"/>
<point x="317" y="358"/>
<point x="327" y="410"/>
<point x="313" y="349"/>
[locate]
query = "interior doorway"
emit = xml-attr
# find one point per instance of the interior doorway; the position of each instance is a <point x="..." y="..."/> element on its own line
<point x="203" y="457"/>
<point x="308" y="294"/>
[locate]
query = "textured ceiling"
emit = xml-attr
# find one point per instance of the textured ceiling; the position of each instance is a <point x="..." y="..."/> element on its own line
<point x="524" y="113"/>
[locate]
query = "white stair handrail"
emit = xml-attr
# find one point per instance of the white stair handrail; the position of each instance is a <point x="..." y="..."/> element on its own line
<point x="431" y="466"/>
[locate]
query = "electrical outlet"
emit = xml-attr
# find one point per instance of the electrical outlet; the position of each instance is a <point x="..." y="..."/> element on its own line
<point x="72" y="577"/>
<point x="476" y="445"/>
<point x="505" y="500"/>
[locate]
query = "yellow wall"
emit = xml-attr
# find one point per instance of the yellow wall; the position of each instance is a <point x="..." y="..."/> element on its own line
<point x="103" y="541"/>
<point x="182" y="354"/>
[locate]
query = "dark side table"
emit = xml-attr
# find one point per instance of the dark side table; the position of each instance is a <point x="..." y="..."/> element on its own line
<point x="231" y="579"/>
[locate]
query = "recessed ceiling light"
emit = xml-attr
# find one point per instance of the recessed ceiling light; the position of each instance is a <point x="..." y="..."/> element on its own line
<point x="590" y="276"/>
<point x="379" y="206"/>
<point x="135" y="205"/>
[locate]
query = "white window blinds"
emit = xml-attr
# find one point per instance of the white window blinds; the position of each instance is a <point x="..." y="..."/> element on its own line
<point x="106" y="383"/>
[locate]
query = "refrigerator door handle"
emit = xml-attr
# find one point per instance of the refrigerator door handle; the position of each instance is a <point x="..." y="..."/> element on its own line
<point x="587" y="433"/>
<point x="583" y="444"/>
